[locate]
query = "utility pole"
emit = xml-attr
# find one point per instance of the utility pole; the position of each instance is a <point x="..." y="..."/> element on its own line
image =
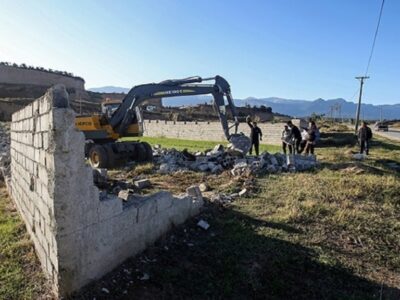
<point x="361" y="78"/>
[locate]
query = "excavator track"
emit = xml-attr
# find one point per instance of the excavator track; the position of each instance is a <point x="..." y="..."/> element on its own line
<point x="113" y="154"/>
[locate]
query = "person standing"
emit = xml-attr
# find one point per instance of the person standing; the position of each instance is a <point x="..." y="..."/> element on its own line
<point x="286" y="140"/>
<point x="311" y="138"/>
<point x="295" y="135"/>
<point x="255" y="136"/>
<point x="364" y="138"/>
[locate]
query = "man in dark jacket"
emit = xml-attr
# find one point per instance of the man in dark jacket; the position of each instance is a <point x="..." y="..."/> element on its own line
<point x="295" y="135"/>
<point x="255" y="136"/>
<point x="364" y="136"/>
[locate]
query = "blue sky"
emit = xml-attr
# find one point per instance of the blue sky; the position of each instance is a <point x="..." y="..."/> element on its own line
<point x="288" y="48"/>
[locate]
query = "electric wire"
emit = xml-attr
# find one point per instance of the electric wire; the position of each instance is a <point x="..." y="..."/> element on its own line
<point x="375" y="36"/>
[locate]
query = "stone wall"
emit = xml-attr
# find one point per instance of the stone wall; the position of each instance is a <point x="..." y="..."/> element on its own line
<point x="16" y="75"/>
<point x="79" y="233"/>
<point x="212" y="131"/>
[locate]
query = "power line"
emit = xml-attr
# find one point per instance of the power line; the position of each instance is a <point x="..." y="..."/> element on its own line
<point x="362" y="78"/>
<point x="376" y="34"/>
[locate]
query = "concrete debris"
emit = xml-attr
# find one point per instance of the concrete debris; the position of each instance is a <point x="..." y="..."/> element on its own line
<point x="224" y="199"/>
<point x="239" y="143"/>
<point x="203" y="224"/>
<point x="359" y="156"/>
<point x="194" y="191"/>
<point x="242" y="192"/>
<point x="124" y="194"/>
<point x="142" y="184"/>
<point x="204" y="187"/>
<point x="219" y="159"/>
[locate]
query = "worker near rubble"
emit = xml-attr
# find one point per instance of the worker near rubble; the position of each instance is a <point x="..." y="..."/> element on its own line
<point x="364" y="138"/>
<point x="255" y="135"/>
<point x="286" y="140"/>
<point x="295" y="135"/>
<point x="312" y="134"/>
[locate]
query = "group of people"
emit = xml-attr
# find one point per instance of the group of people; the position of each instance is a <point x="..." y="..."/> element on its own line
<point x="292" y="138"/>
<point x="297" y="141"/>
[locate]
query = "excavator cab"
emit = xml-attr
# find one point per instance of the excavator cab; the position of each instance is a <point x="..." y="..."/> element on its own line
<point x="105" y="145"/>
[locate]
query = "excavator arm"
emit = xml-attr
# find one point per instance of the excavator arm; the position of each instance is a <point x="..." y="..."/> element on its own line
<point x="102" y="133"/>
<point x="220" y="89"/>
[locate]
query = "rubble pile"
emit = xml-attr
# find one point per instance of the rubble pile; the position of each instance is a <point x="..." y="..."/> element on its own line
<point x="4" y="150"/>
<point x="220" y="159"/>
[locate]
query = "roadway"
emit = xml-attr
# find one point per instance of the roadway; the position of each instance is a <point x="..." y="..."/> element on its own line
<point x="393" y="134"/>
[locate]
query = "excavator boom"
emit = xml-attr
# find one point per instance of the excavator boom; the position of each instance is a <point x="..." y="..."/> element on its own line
<point x="103" y="132"/>
<point x="220" y="90"/>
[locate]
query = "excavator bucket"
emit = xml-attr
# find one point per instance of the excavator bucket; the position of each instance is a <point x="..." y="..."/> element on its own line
<point x="239" y="143"/>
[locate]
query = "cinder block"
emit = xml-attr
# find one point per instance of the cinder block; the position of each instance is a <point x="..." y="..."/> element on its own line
<point x="37" y="124"/>
<point x="43" y="174"/>
<point x="28" y="111"/>
<point x="44" y="105"/>
<point x="35" y="107"/>
<point x="37" y="140"/>
<point x="45" y="137"/>
<point x="44" y="122"/>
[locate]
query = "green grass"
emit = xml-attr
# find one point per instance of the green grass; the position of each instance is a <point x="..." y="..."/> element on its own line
<point x="330" y="233"/>
<point x="20" y="275"/>
<point x="193" y="146"/>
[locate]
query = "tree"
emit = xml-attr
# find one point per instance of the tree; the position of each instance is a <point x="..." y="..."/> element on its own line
<point x="316" y="117"/>
<point x="265" y="109"/>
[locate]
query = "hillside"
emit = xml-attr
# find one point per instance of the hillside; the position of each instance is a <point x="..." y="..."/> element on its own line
<point x="301" y="108"/>
<point x="292" y="107"/>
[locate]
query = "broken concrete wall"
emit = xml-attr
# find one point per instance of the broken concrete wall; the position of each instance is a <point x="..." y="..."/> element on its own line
<point x="212" y="131"/>
<point x="32" y="178"/>
<point x="79" y="233"/>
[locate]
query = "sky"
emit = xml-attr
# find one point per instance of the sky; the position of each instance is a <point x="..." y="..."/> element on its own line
<point x="295" y="49"/>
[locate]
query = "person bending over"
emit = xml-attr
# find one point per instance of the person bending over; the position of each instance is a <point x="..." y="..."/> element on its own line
<point x="286" y="140"/>
<point x="295" y="135"/>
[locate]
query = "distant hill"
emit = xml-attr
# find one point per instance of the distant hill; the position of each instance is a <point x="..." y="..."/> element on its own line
<point x="291" y="107"/>
<point x="304" y="108"/>
<point x="109" y="89"/>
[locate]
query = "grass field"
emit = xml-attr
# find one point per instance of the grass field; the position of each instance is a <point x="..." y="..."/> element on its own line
<point x="331" y="233"/>
<point x="20" y="273"/>
<point x="193" y="145"/>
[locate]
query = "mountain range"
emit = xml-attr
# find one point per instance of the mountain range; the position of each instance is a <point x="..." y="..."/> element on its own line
<point x="109" y="89"/>
<point x="297" y="108"/>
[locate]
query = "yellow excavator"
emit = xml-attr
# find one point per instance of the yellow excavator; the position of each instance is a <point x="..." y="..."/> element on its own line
<point x="105" y="144"/>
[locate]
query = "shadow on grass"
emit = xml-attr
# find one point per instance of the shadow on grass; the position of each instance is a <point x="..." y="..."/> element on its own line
<point x="392" y="146"/>
<point x="337" y="139"/>
<point x="232" y="260"/>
